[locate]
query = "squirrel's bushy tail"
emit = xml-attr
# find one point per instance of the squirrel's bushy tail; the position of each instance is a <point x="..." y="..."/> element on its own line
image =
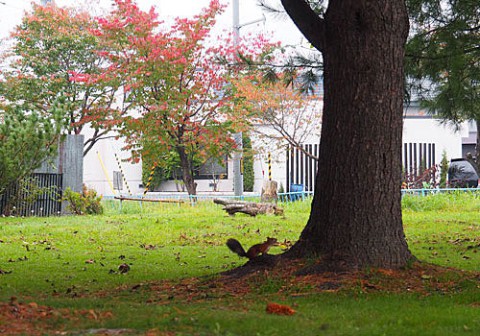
<point x="235" y="246"/>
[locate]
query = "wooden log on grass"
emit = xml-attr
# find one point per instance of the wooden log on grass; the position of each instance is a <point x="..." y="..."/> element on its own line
<point x="249" y="208"/>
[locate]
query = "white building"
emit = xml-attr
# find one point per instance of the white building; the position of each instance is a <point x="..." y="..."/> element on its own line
<point x="425" y="140"/>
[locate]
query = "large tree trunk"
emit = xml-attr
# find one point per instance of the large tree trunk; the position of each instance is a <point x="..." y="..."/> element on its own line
<point x="356" y="218"/>
<point x="187" y="171"/>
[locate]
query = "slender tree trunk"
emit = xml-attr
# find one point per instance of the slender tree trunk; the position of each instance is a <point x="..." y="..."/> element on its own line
<point x="356" y="218"/>
<point x="187" y="171"/>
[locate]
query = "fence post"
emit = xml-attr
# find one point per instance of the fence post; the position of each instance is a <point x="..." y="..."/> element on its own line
<point x="150" y="178"/>
<point x="269" y="166"/>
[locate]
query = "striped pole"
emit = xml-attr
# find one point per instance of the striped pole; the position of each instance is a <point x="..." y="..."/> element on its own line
<point x="150" y="178"/>
<point x="269" y="166"/>
<point x="110" y="183"/>
<point x="123" y="175"/>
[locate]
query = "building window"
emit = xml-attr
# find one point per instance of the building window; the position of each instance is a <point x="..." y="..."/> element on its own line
<point x="117" y="180"/>
<point x="211" y="169"/>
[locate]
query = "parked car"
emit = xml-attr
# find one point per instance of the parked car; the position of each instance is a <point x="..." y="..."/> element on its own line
<point x="462" y="174"/>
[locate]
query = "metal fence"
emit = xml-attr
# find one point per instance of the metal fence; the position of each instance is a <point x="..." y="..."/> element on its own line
<point x="301" y="169"/>
<point x="434" y="191"/>
<point x="38" y="195"/>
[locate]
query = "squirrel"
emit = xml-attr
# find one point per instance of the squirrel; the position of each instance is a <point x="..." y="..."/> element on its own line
<point x="254" y="251"/>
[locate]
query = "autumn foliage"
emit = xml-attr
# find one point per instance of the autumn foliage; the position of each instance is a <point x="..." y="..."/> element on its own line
<point x="166" y="88"/>
<point x="284" y="114"/>
<point x="173" y="82"/>
<point x="49" y="46"/>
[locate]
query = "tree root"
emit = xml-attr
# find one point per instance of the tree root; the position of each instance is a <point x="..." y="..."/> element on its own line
<point x="297" y="265"/>
<point x="261" y="263"/>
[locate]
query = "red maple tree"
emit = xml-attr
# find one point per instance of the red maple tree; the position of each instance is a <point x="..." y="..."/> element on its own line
<point x="175" y="79"/>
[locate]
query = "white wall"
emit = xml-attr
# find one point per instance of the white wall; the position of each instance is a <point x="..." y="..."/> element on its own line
<point x="100" y="177"/>
<point x="416" y="130"/>
<point x="100" y="163"/>
<point x="428" y="130"/>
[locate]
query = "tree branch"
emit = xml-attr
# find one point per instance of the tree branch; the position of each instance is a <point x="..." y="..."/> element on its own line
<point x="445" y="56"/>
<point x="307" y="21"/>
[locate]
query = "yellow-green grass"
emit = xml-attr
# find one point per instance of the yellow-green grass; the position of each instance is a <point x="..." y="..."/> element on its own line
<point x="72" y="262"/>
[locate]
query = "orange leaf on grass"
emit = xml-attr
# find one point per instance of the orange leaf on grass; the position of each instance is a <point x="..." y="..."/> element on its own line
<point x="278" y="309"/>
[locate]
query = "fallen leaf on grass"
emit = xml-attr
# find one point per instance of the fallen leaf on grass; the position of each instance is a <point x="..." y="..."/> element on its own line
<point x="92" y="315"/>
<point x="123" y="268"/>
<point x="148" y="246"/>
<point x="135" y="287"/>
<point x="278" y="309"/>
<point x="179" y="311"/>
<point x="33" y="305"/>
<point x="368" y="285"/>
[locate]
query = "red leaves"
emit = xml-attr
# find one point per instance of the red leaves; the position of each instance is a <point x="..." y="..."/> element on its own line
<point x="278" y="309"/>
<point x="170" y="77"/>
<point x="78" y="77"/>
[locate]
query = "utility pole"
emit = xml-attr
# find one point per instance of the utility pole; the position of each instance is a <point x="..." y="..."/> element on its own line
<point x="237" y="137"/>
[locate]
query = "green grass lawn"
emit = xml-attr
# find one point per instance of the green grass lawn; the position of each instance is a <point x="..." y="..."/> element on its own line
<point x="72" y="264"/>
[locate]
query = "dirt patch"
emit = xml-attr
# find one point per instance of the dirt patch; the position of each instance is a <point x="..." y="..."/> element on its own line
<point x="29" y="318"/>
<point x="17" y="318"/>
<point x="420" y="278"/>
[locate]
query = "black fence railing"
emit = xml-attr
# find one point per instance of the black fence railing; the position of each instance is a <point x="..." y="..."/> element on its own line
<point x="38" y="195"/>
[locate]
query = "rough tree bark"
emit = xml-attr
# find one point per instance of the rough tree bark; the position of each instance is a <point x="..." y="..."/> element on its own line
<point x="356" y="218"/>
